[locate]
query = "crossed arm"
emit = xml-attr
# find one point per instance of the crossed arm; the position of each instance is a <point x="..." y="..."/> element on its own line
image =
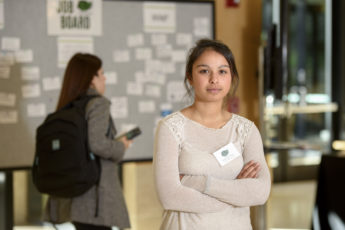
<point x="252" y="185"/>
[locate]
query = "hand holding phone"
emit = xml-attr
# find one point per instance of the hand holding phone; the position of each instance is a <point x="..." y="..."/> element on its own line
<point x="131" y="134"/>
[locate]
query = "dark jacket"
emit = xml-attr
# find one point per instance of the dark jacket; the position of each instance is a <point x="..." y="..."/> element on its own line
<point x="112" y="209"/>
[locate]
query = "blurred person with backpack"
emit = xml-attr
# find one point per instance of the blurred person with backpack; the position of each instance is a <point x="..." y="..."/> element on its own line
<point x="103" y="205"/>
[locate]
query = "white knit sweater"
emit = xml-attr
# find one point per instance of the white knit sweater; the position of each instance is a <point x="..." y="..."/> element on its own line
<point x="209" y="196"/>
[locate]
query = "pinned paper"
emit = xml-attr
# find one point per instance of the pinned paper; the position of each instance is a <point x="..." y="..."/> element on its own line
<point x="7" y="99"/>
<point x="8" y="117"/>
<point x="140" y="77"/>
<point x="134" y="88"/>
<point x="143" y="53"/>
<point x="184" y="39"/>
<point x="68" y="46"/>
<point x="119" y="107"/>
<point x="121" y="56"/>
<point x="30" y="73"/>
<point x="10" y="43"/>
<point x="175" y="91"/>
<point x="168" y="67"/>
<point x="31" y="90"/>
<point x="157" y="78"/>
<point x="147" y="106"/>
<point x="135" y="40"/>
<point x="24" y="56"/>
<point x="202" y="27"/>
<point x="111" y="78"/>
<point x="179" y="55"/>
<point x="36" y="110"/>
<point x="51" y="83"/>
<point x="159" y="17"/>
<point x="153" y="67"/>
<point x="159" y="39"/>
<point x="153" y="90"/>
<point x="164" y="51"/>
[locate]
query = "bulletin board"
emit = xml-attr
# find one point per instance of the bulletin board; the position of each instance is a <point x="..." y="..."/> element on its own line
<point x="143" y="45"/>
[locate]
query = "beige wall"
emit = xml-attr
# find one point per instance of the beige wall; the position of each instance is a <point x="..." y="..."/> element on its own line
<point x="240" y="29"/>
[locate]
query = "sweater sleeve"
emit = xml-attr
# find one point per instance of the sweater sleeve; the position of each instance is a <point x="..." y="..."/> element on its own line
<point x="98" y="113"/>
<point x="171" y="192"/>
<point x="248" y="191"/>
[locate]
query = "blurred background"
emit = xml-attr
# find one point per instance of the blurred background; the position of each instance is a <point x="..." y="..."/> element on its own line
<point x="291" y="60"/>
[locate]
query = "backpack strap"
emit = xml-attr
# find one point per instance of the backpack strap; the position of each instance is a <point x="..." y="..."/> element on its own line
<point x="82" y="102"/>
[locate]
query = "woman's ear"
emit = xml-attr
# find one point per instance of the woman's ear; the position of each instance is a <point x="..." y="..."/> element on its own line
<point x="190" y="80"/>
<point x="92" y="84"/>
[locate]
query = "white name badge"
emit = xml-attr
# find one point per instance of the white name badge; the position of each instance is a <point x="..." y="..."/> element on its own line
<point x="226" y="154"/>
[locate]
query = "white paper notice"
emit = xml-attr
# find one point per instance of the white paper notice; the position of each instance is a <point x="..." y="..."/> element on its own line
<point x="10" y="43"/>
<point x="175" y="91"/>
<point x="74" y="17"/>
<point x="121" y="56"/>
<point x="119" y="107"/>
<point x="24" y="56"/>
<point x="7" y="59"/>
<point x="8" y="117"/>
<point x="153" y="67"/>
<point x="4" y="72"/>
<point x="184" y="39"/>
<point x="159" y="17"/>
<point x="36" y="110"/>
<point x="140" y="77"/>
<point x="68" y="46"/>
<point x="153" y="90"/>
<point x="7" y="99"/>
<point x="30" y="73"/>
<point x="168" y="67"/>
<point x="164" y="51"/>
<point x="179" y="55"/>
<point x="2" y="18"/>
<point x="143" y="53"/>
<point x="111" y="78"/>
<point x="148" y="106"/>
<point x="158" y="78"/>
<point x="134" y="88"/>
<point x="31" y="90"/>
<point x="135" y="40"/>
<point x="51" y="83"/>
<point x="159" y="39"/>
<point x="202" y="27"/>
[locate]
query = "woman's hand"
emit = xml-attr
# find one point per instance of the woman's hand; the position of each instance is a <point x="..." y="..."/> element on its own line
<point x="250" y="170"/>
<point x="126" y="142"/>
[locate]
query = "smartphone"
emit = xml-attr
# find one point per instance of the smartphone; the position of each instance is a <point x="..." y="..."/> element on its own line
<point x="131" y="134"/>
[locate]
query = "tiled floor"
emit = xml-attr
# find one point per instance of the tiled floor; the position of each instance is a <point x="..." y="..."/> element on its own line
<point x="289" y="207"/>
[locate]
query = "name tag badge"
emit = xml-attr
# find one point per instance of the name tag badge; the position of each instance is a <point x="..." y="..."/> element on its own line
<point x="226" y="154"/>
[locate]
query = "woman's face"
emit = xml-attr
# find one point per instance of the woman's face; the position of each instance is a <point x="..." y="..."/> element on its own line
<point x="98" y="82"/>
<point x="211" y="77"/>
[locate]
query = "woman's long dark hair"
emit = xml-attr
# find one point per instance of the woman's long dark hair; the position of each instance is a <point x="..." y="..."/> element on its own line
<point x="79" y="73"/>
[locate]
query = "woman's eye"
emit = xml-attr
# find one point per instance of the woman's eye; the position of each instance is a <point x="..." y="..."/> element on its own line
<point x="203" y="71"/>
<point x="223" y="71"/>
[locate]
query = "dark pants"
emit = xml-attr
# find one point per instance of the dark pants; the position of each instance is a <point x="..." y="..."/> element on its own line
<point x="81" y="226"/>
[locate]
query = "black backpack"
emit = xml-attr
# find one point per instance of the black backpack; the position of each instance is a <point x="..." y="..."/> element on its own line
<point x="63" y="165"/>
